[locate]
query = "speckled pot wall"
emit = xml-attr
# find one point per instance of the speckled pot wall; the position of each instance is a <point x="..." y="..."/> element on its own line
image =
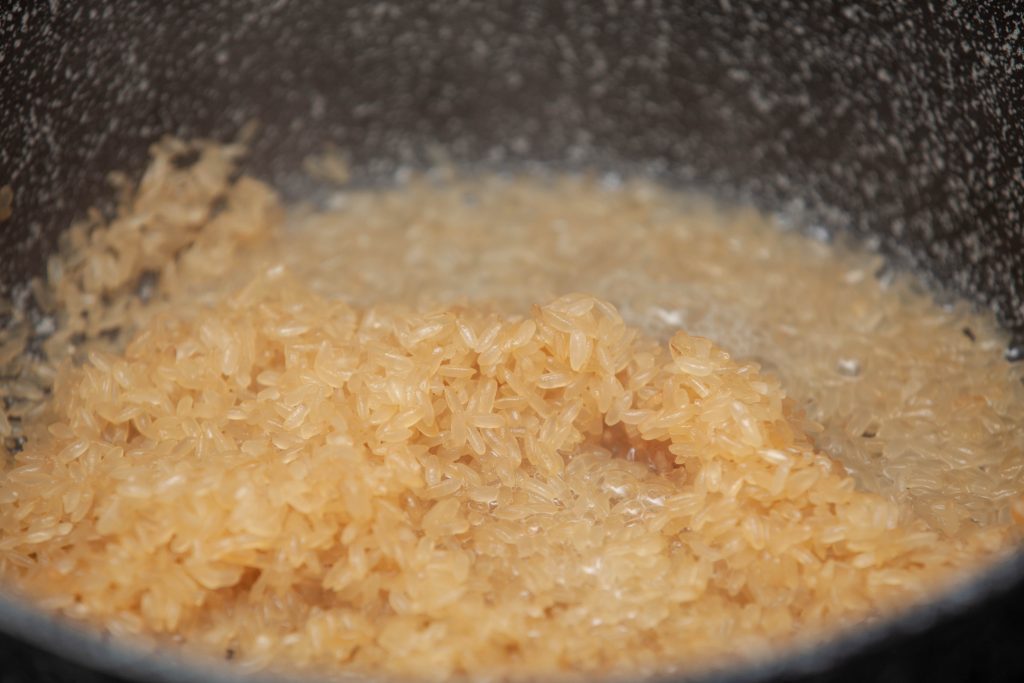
<point x="903" y="121"/>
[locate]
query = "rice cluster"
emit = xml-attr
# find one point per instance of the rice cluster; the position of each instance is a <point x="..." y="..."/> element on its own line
<point x="915" y="396"/>
<point x="241" y="463"/>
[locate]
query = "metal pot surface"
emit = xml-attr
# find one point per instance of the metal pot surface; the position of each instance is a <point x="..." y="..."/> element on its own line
<point x="903" y="122"/>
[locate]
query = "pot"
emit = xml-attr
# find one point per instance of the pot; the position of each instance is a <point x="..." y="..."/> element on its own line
<point x="900" y="123"/>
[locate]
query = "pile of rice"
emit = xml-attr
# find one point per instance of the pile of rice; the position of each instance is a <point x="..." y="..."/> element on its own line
<point x="240" y="463"/>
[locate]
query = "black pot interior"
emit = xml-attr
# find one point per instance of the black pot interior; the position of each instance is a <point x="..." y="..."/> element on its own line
<point x="900" y="122"/>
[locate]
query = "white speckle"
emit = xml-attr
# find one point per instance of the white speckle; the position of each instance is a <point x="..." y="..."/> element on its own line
<point x="673" y="318"/>
<point x="45" y="326"/>
<point x="611" y="181"/>
<point x="848" y="367"/>
<point x="820" y="233"/>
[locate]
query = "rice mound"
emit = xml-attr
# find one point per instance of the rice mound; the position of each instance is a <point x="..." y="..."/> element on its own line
<point x="441" y="492"/>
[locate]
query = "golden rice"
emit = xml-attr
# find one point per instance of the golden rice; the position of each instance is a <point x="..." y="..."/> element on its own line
<point x="392" y="481"/>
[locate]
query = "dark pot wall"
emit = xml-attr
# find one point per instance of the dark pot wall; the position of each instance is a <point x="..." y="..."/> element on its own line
<point x="902" y="121"/>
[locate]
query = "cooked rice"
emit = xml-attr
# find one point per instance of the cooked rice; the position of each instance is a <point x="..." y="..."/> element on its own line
<point x="357" y="443"/>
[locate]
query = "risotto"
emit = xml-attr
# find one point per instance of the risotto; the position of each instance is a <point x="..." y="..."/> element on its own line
<point x="390" y="435"/>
